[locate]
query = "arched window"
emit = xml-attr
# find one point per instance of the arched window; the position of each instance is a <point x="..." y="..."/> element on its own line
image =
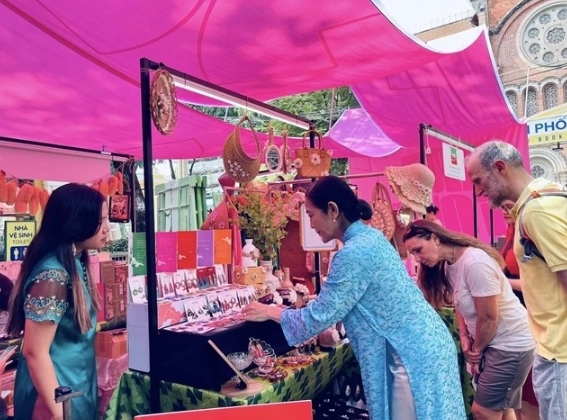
<point x="550" y="96"/>
<point x="512" y="100"/>
<point x="531" y="102"/>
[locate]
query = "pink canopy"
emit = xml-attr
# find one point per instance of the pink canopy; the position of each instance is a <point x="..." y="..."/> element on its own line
<point x="72" y="66"/>
<point x="71" y="72"/>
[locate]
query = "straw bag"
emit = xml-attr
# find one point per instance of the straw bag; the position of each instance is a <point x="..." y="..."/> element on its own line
<point x="312" y="162"/>
<point x="237" y="164"/>
<point x="382" y="217"/>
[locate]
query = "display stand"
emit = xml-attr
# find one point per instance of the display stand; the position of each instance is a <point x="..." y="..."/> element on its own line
<point x="182" y="80"/>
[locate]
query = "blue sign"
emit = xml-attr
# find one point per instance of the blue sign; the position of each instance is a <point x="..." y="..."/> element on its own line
<point x="17" y="253"/>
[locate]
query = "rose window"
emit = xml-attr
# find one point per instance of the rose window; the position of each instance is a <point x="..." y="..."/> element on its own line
<point x="543" y="36"/>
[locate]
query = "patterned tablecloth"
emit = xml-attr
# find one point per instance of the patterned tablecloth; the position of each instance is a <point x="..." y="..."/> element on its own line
<point x="131" y="397"/>
<point x="449" y="317"/>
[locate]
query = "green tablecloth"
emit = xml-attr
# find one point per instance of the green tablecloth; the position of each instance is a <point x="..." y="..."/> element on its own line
<point x="131" y="397"/>
<point x="448" y="315"/>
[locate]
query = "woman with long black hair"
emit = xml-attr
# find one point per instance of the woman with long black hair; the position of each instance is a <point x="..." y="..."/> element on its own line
<point x="54" y="303"/>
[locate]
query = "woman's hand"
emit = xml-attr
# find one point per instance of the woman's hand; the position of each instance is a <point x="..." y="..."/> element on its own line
<point x="259" y="312"/>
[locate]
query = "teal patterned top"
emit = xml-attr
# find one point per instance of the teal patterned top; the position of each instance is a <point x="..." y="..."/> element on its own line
<point x="369" y="289"/>
<point x="49" y="299"/>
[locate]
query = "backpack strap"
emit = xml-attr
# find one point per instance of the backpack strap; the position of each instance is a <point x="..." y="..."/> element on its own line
<point x="529" y="246"/>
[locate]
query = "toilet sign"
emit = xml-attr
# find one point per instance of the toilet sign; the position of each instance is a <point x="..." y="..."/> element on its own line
<point x="17" y="237"/>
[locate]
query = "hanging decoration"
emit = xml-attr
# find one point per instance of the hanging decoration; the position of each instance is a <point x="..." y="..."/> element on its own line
<point x="163" y="102"/>
<point x="382" y="217"/>
<point x="272" y="153"/>
<point x="237" y="164"/>
<point x="312" y="162"/>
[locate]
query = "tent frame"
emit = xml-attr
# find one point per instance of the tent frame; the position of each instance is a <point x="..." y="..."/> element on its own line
<point x="147" y="66"/>
<point x="424" y="131"/>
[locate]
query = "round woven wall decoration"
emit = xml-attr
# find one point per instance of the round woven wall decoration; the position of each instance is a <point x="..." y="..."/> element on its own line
<point x="163" y="102"/>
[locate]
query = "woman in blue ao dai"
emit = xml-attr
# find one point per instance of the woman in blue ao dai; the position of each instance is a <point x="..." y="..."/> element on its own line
<point x="386" y="316"/>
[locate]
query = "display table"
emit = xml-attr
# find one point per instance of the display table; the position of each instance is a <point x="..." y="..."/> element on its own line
<point x="450" y="319"/>
<point x="131" y="397"/>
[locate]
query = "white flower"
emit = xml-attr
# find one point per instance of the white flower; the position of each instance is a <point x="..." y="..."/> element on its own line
<point x="297" y="163"/>
<point x="277" y="298"/>
<point x="315" y="159"/>
<point x="301" y="289"/>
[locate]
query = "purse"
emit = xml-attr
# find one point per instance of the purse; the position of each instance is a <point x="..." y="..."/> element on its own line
<point x="312" y="162"/>
<point x="237" y="164"/>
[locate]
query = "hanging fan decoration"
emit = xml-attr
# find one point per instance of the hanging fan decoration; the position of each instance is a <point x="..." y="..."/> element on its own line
<point x="163" y="102"/>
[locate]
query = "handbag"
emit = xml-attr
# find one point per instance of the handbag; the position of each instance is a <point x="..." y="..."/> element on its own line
<point x="382" y="217"/>
<point x="237" y="164"/>
<point x="312" y="162"/>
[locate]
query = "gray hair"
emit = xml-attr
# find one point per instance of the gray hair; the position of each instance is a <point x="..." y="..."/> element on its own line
<point x="488" y="153"/>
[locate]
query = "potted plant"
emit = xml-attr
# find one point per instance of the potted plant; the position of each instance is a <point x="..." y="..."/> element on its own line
<point x="261" y="214"/>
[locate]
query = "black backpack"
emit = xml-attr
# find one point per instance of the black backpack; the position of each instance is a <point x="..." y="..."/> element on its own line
<point x="530" y="248"/>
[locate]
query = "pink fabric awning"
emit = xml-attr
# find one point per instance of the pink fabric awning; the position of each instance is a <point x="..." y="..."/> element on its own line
<point x="72" y="66"/>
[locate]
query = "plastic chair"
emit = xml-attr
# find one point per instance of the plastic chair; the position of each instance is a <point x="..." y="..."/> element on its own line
<point x="296" y="410"/>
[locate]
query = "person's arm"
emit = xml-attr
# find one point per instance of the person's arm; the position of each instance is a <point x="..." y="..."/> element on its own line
<point x="484" y="279"/>
<point x="45" y="305"/>
<point x="516" y="284"/>
<point x="345" y="285"/>
<point x="463" y="332"/>
<point x="38" y="337"/>
<point x="486" y="322"/>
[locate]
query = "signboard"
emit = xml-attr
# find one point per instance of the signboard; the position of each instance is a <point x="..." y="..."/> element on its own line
<point x="18" y="235"/>
<point x="453" y="162"/>
<point x="548" y="130"/>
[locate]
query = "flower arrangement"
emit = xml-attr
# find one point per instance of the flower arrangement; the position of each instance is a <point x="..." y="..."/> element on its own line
<point x="261" y="214"/>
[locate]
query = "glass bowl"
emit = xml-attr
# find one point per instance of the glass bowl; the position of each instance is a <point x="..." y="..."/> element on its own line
<point x="267" y="361"/>
<point x="240" y="360"/>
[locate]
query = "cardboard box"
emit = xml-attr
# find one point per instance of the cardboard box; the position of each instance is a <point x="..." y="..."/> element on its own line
<point x="249" y="275"/>
<point x="107" y="272"/>
<point x="111" y="344"/>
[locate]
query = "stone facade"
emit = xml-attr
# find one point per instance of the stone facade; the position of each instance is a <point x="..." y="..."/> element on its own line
<point x="530" y="48"/>
<point x="529" y="41"/>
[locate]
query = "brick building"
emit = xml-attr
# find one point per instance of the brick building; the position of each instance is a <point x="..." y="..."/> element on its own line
<point x="529" y="41"/>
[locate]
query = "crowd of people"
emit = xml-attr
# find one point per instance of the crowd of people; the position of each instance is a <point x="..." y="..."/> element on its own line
<point x="511" y="305"/>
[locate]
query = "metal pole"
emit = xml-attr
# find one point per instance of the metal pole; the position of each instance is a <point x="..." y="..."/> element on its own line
<point x="150" y="235"/>
<point x="492" y="227"/>
<point x="422" y="129"/>
<point x="316" y="255"/>
<point x="475" y="213"/>
<point x="133" y="203"/>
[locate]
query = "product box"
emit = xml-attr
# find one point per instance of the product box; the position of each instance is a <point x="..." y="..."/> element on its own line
<point x="107" y="272"/>
<point x="249" y="275"/>
<point x="111" y="344"/>
<point x="114" y="308"/>
<point x="113" y="291"/>
<point x="170" y="312"/>
<point x="120" y="273"/>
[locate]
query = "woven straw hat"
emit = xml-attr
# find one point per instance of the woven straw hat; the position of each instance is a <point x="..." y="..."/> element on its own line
<point x="412" y="185"/>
